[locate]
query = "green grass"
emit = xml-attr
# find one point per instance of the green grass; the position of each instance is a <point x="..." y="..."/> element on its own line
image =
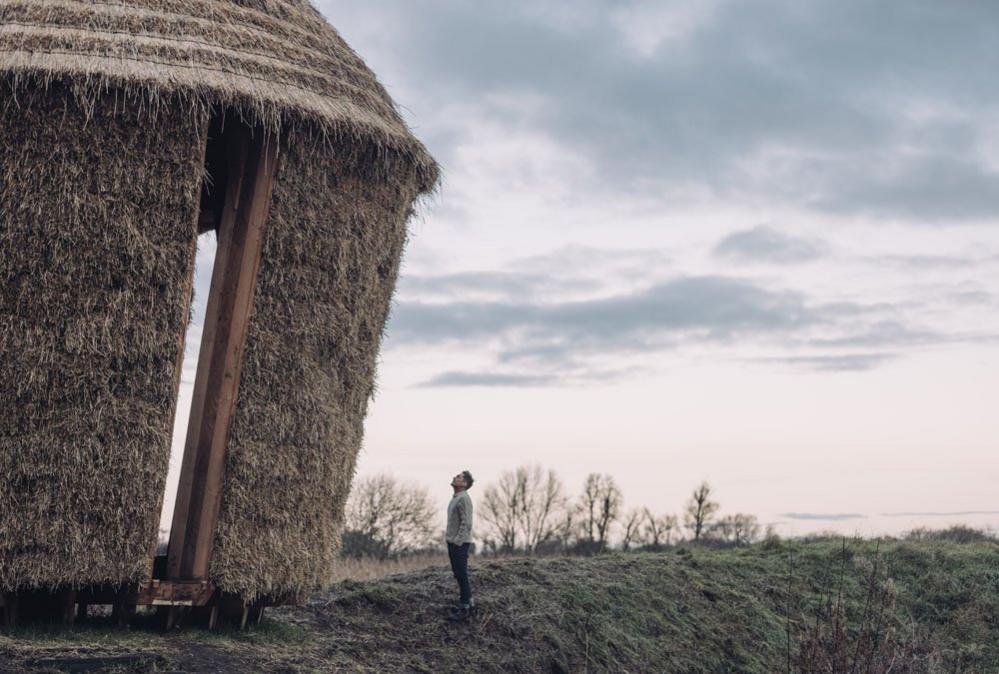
<point x="696" y="611"/>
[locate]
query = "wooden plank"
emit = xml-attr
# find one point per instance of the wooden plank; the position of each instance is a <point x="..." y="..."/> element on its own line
<point x="69" y="607"/>
<point x="253" y="166"/>
<point x="182" y="509"/>
<point x="176" y="593"/>
<point x="171" y="617"/>
<point x="8" y="612"/>
<point x="122" y="614"/>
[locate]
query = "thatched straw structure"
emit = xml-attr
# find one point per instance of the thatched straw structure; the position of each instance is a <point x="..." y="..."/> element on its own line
<point x="93" y="262"/>
<point x="104" y="113"/>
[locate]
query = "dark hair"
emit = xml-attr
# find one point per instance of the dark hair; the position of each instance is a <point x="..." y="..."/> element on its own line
<point x="469" y="480"/>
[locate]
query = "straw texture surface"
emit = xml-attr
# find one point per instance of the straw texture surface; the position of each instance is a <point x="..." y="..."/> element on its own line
<point x="276" y="61"/>
<point x="104" y="109"/>
<point x="97" y="236"/>
<point x="330" y="262"/>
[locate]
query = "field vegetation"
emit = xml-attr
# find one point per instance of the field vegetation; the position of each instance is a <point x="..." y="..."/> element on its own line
<point x="927" y="603"/>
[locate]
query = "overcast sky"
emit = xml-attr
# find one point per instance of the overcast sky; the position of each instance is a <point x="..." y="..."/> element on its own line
<point x="750" y="242"/>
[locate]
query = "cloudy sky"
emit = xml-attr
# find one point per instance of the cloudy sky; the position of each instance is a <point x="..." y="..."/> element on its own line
<point x="750" y="242"/>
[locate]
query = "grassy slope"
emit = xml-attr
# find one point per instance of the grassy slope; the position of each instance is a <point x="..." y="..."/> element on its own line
<point x="679" y="611"/>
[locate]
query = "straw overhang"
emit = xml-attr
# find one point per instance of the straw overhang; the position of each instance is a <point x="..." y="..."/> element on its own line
<point x="277" y="62"/>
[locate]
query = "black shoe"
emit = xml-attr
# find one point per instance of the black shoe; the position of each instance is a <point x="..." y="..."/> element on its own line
<point x="460" y="614"/>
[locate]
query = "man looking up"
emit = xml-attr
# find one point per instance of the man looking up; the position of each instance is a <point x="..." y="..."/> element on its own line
<point x="459" y="540"/>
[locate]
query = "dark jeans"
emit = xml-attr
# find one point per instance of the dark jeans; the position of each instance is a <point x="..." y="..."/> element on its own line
<point x="458" y="554"/>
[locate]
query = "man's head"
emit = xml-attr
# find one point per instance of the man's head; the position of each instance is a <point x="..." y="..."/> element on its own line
<point x="462" y="481"/>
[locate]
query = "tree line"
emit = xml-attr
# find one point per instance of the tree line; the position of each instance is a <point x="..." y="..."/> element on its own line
<point x="529" y="510"/>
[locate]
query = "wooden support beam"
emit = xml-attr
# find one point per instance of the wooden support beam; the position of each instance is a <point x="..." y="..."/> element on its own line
<point x="121" y="614"/>
<point x="68" y="607"/>
<point x="252" y="166"/>
<point x="234" y="611"/>
<point x="171" y="617"/>
<point x="175" y="593"/>
<point x="10" y="611"/>
<point x="256" y="614"/>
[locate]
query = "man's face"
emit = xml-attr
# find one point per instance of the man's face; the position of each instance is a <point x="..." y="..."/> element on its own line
<point x="458" y="481"/>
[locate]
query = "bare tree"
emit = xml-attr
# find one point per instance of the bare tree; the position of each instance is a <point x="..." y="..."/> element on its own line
<point x="747" y="528"/>
<point x="567" y="527"/>
<point x="700" y="511"/>
<point x="740" y="529"/>
<point x="501" y="502"/>
<point x="525" y="508"/>
<point x="542" y="506"/>
<point x="658" y="531"/>
<point x="601" y="506"/>
<point x="386" y="517"/>
<point x="633" y="533"/>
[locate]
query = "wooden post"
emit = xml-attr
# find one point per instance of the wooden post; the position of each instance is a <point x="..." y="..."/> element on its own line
<point x="253" y="162"/>
<point x="122" y="612"/>
<point x="11" y="605"/>
<point x="256" y="614"/>
<point x="68" y="607"/>
<point x="171" y="618"/>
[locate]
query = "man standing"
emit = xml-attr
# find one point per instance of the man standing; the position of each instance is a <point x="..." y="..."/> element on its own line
<point x="459" y="540"/>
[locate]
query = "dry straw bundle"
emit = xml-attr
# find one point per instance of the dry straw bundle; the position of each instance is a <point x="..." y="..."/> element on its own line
<point x="93" y="262"/>
<point x="104" y="109"/>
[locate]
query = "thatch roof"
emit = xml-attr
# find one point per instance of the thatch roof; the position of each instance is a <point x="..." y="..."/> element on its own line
<point x="277" y="61"/>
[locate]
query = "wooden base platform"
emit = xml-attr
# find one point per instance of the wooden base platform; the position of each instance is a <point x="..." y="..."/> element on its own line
<point x="194" y="603"/>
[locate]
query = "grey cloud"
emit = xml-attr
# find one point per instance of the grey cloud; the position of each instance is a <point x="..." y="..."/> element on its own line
<point x="957" y="513"/>
<point x="711" y="307"/>
<point x="925" y="262"/>
<point x="627" y="262"/>
<point x="766" y="244"/>
<point x="537" y="343"/>
<point x="493" y="284"/>
<point x="882" y="333"/>
<point x="933" y="262"/>
<point x="577" y="375"/>
<point x="570" y="270"/>
<point x="824" y="80"/>
<point x="541" y="320"/>
<point x="934" y="190"/>
<point x="973" y="297"/>
<point x="488" y="379"/>
<point x="836" y="517"/>
<point x="836" y="363"/>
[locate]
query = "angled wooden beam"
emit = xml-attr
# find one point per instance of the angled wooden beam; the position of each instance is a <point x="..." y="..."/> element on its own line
<point x="252" y="166"/>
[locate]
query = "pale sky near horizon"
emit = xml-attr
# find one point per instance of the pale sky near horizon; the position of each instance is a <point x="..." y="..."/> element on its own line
<point x="753" y="243"/>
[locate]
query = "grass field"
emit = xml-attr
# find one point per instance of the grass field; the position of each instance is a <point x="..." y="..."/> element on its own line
<point x="685" y="610"/>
